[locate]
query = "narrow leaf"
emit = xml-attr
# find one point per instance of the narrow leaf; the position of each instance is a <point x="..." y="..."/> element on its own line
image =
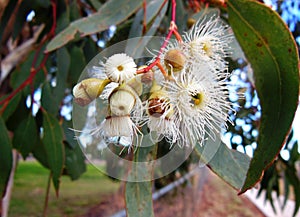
<point x="63" y="65"/>
<point x="5" y="157"/>
<point x="111" y="13"/>
<point x="77" y="64"/>
<point x="54" y="147"/>
<point x="271" y="50"/>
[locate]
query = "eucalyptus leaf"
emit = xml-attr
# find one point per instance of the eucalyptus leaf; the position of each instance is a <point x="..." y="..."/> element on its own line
<point x="270" y="48"/>
<point x="25" y="136"/>
<point x="54" y="147"/>
<point x="111" y="13"/>
<point x="138" y="195"/>
<point x="230" y="165"/>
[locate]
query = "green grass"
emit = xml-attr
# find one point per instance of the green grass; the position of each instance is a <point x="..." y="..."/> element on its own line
<point x="75" y="197"/>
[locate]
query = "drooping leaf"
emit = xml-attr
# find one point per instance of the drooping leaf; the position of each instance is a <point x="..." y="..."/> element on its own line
<point x="271" y="50"/>
<point x="40" y="154"/>
<point x="54" y="147"/>
<point x="63" y="66"/>
<point x="25" y="136"/>
<point x="111" y="13"/>
<point x="5" y="157"/>
<point x="230" y="165"/>
<point x="48" y="101"/>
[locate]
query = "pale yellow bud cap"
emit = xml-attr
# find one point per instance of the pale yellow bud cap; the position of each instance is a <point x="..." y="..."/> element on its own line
<point x="88" y="90"/>
<point x="121" y="102"/>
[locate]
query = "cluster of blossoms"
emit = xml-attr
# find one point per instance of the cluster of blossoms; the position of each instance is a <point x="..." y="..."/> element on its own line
<point x="187" y="99"/>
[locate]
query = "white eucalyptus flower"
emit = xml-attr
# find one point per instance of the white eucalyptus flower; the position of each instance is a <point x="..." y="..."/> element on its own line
<point x="124" y="114"/>
<point x="208" y="43"/>
<point x="200" y="106"/>
<point x="160" y="116"/>
<point x="120" y="68"/>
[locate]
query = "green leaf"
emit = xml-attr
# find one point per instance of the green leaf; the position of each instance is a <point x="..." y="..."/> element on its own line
<point x="54" y="147"/>
<point x="25" y="136"/>
<point x="48" y="101"/>
<point x="74" y="163"/>
<point x="22" y="72"/>
<point x="271" y="50"/>
<point x="230" y="165"/>
<point x="39" y="153"/>
<point x="152" y="8"/>
<point x="20" y="113"/>
<point x="77" y="64"/>
<point x="5" y="157"/>
<point x="111" y="13"/>
<point x="138" y="195"/>
<point x="63" y="66"/>
<point x="75" y="158"/>
<point x="12" y="106"/>
<point x="154" y="16"/>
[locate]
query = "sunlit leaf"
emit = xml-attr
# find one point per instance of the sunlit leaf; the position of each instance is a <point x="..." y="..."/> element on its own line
<point x="5" y="157"/>
<point x="111" y="13"/>
<point x="271" y="50"/>
<point x="54" y="147"/>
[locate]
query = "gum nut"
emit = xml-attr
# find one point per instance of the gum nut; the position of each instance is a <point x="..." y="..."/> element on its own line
<point x="136" y="84"/>
<point x="174" y="59"/>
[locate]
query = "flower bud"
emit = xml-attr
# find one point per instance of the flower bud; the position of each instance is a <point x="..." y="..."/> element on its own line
<point x="136" y="84"/>
<point x="88" y="90"/>
<point x="147" y="77"/>
<point x="121" y="102"/>
<point x="174" y="59"/>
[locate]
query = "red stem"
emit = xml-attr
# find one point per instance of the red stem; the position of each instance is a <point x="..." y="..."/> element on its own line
<point x="172" y="30"/>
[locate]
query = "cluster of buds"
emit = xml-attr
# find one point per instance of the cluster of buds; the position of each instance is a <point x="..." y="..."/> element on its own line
<point x="186" y="104"/>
